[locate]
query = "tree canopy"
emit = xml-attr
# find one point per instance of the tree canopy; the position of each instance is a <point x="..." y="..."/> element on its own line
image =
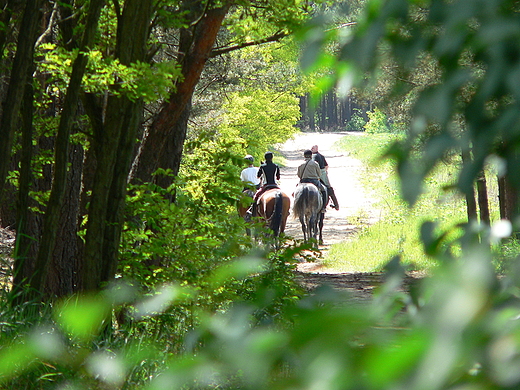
<point x="190" y="305"/>
<point x="114" y="85"/>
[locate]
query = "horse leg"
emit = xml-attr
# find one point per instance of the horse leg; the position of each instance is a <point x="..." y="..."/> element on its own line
<point x="302" y="221"/>
<point x="309" y="228"/>
<point x="320" y="225"/>
<point x="314" y="229"/>
<point x="285" y="213"/>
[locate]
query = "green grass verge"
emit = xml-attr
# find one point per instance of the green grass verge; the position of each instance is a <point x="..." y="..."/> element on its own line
<point x="397" y="232"/>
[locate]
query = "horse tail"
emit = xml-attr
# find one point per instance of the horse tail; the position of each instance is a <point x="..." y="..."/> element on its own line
<point x="276" y="217"/>
<point x="299" y="204"/>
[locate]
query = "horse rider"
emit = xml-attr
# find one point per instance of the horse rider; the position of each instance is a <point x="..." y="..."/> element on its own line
<point x="270" y="173"/>
<point x="324" y="166"/>
<point x="309" y="172"/>
<point x="249" y="175"/>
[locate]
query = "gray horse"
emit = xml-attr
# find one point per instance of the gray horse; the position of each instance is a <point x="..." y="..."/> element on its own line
<point x="307" y="208"/>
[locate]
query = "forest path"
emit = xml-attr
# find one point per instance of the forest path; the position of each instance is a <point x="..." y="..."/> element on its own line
<point x="356" y="209"/>
<point x="345" y="177"/>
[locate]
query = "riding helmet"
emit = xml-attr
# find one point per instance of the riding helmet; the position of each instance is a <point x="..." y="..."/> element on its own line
<point x="250" y="158"/>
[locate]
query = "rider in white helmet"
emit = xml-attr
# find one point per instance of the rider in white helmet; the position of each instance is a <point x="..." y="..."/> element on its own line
<point x="249" y="175"/>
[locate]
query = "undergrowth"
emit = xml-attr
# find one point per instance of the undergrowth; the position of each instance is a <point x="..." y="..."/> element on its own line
<point x="398" y="230"/>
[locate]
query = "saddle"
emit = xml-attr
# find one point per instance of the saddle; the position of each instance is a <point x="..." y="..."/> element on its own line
<point x="311" y="181"/>
<point x="268" y="187"/>
<point x="254" y="205"/>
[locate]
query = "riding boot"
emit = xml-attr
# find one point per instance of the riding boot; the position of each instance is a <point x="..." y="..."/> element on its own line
<point x="324" y="198"/>
<point x="254" y="209"/>
<point x="332" y="195"/>
<point x="251" y="211"/>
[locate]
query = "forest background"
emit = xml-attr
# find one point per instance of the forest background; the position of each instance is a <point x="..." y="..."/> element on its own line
<point x="126" y="137"/>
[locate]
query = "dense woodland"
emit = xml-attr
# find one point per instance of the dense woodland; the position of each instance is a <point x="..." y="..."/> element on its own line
<point x="123" y="128"/>
<point x="87" y="80"/>
<point x="333" y="113"/>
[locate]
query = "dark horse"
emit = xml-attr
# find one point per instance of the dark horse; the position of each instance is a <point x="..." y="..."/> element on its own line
<point x="307" y="208"/>
<point x="273" y="208"/>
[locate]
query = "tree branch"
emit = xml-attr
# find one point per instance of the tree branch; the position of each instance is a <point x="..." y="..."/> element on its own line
<point x="49" y="27"/>
<point x="273" y="38"/>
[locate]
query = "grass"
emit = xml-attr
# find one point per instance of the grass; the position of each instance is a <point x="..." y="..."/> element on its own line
<point x="397" y="232"/>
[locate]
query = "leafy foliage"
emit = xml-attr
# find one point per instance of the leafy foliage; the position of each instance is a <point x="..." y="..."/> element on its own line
<point x="456" y="329"/>
<point x="139" y="80"/>
<point x="377" y="122"/>
<point x="261" y="119"/>
<point x="186" y="239"/>
<point x="474" y="49"/>
<point x="450" y="330"/>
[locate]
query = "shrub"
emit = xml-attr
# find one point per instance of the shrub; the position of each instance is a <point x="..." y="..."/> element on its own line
<point x="357" y="121"/>
<point x="377" y="122"/>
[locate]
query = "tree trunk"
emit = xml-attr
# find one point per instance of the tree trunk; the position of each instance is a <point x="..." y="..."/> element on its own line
<point x="165" y="133"/>
<point x="483" y="202"/>
<point x="22" y="62"/>
<point x="63" y="275"/>
<point x="471" y="204"/>
<point x="114" y="151"/>
<point x="507" y="199"/>
<point x="23" y="250"/>
<point x="68" y="115"/>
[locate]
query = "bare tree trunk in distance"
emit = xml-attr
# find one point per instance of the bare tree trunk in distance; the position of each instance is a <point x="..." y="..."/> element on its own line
<point x="508" y="199"/>
<point x="483" y="202"/>
<point x="471" y="204"/>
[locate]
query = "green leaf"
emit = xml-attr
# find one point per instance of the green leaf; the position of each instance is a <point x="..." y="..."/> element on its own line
<point x="83" y="316"/>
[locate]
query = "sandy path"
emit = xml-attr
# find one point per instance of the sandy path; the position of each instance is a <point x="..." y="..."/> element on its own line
<point x="344" y="175"/>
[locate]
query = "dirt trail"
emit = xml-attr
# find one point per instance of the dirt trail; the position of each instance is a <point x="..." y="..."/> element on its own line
<point x="357" y="207"/>
<point x="344" y="174"/>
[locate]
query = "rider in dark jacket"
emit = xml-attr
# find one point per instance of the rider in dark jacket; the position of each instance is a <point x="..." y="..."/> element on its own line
<point x="270" y="173"/>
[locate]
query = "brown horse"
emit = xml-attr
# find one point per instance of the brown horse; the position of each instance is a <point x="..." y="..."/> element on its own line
<point x="242" y="206"/>
<point x="273" y="208"/>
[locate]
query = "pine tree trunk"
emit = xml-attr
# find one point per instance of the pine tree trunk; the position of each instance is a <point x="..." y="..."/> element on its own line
<point x="62" y="278"/>
<point x="167" y="131"/>
<point x="24" y="252"/>
<point x="507" y="199"/>
<point x="471" y="204"/>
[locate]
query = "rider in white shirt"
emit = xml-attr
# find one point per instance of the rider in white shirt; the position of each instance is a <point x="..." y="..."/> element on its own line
<point x="249" y="175"/>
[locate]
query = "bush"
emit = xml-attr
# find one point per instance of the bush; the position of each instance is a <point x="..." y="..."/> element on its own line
<point x="377" y="122"/>
<point x="357" y="122"/>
